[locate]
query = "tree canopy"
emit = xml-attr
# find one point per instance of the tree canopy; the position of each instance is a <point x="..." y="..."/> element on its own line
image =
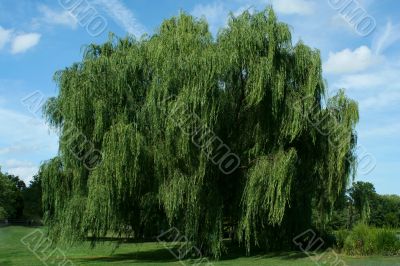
<point x="11" y="196"/>
<point x="372" y="208"/>
<point x="7" y="199"/>
<point x="33" y="199"/>
<point x="167" y="110"/>
<point x="361" y="194"/>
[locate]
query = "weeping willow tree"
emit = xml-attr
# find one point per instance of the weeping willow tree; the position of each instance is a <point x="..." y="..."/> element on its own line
<point x="135" y="101"/>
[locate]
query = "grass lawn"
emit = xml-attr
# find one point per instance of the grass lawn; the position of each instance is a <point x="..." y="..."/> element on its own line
<point x="14" y="252"/>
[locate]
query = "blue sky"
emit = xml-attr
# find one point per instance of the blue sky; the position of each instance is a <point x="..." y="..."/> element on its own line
<point x="38" y="38"/>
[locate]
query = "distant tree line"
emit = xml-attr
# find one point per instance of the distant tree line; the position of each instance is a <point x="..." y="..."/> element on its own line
<point x="363" y="204"/>
<point x="18" y="201"/>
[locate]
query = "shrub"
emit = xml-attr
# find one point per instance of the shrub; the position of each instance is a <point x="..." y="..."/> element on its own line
<point x="387" y="242"/>
<point x="340" y="238"/>
<point x="359" y="241"/>
<point x="364" y="240"/>
<point x="3" y="213"/>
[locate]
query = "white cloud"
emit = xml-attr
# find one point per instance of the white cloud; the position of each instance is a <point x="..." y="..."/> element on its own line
<point x="215" y="13"/>
<point x="19" y="42"/>
<point x="387" y="37"/>
<point x="11" y="149"/>
<point x="23" y="42"/>
<point x="15" y="127"/>
<point x="23" y="169"/>
<point x="360" y="81"/>
<point x="387" y="78"/>
<point x="26" y="138"/>
<point x="250" y="8"/>
<point x="380" y="100"/>
<point x="386" y="130"/>
<point x="121" y="14"/>
<point x="289" y="7"/>
<point x="348" y="61"/>
<point x="5" y="37"/>
<point x="52" y="17"/>
<point x="377" y="89"/>
<point x="25" y="146"/>
<point x="339" y="22"/>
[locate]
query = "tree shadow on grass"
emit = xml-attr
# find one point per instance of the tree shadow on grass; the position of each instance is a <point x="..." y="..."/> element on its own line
<point x="158" y="255"/>
<point x="262" y="255"/>
<point x="294" y="255"/>
<point x="6" y="263"/>
<point x="164" y="255"/>
<point x="235" y="252"/>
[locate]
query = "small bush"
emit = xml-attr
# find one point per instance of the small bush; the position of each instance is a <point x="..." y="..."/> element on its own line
<point x="365" y="241"/>
<point x="359" y="241"/>
<point x="387" y="242"/>
<point x="340" y="238"/>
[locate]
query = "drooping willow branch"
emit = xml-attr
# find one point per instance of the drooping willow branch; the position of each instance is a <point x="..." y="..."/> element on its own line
<point x="250" y="86"/>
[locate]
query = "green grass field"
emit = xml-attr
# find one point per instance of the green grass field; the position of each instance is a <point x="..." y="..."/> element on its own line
<point x="14" y="252"/>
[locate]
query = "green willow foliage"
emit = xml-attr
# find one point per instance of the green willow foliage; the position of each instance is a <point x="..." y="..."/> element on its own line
<point x="261" y="95"/>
